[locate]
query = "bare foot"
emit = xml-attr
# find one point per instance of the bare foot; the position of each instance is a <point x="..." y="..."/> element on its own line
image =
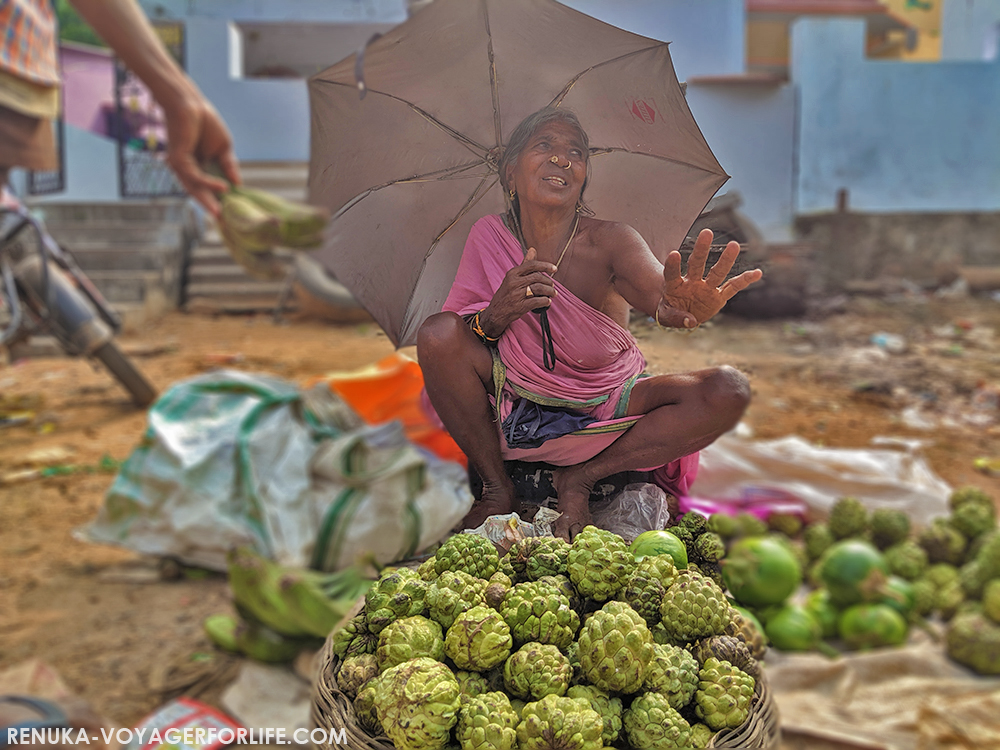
<point x="494" y="502"/>
<point x="573" y="491"/>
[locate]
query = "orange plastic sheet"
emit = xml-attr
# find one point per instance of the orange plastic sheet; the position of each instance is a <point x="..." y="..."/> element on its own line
<point x="391" y="389"/>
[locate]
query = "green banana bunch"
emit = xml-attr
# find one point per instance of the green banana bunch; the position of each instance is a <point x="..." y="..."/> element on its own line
<point x="291" y="601"/>
<point x="221" y="630"/>
<point x="299" y="224"/>
<point x="255" y="583"/>
<point x="262" y="644"/>
<point x="319" y="602"/>
<point x="254" y="222"/>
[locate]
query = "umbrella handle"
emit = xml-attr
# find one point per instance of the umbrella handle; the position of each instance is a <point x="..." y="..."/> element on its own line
<point x="359" y="66"/>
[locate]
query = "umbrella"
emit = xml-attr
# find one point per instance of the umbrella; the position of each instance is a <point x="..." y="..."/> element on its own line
<point x="410" y="166"/>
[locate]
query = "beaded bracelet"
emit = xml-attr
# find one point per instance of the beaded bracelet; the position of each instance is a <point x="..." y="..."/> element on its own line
<point x="477" y="328"/>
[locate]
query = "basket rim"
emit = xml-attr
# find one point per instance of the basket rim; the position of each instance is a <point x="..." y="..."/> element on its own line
<point x="760" y="730"/>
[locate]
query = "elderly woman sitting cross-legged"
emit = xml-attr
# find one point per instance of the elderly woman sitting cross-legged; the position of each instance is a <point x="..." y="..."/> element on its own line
<point x="568" y="388"/>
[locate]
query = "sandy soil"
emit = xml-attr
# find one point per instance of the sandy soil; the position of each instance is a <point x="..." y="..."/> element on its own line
<point x="127" y="640"/>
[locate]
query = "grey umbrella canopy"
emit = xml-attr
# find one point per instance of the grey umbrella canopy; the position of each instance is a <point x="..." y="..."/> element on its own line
<point x="410" y="167"/>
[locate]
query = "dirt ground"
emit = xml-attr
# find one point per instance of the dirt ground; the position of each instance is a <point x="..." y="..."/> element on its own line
<point x="126" y="640"/>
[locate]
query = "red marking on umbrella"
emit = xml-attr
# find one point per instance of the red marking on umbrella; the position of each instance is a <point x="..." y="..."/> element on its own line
<point x="644" y="111"/>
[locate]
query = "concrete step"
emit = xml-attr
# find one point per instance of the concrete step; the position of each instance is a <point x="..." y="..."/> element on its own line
<point x="219" y="274"/>
<point x="234" y="289"/>
<point x="163" y="210"/>
<point x="129" y="286"/>
<point x="116" y="233"/>
<point x="236" y="304"/>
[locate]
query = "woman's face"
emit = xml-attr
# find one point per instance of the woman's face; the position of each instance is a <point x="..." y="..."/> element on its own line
<point x="551" y="170"/>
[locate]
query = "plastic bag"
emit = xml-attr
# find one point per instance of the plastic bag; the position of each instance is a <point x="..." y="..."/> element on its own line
<point x="383" y="496"/>
<point x="637" y="508"/>
<point x="736" y="469"/>
<point x="228" y="460"/>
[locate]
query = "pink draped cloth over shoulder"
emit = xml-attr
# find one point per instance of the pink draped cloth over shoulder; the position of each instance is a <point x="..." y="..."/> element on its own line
<point x="597" y="361"/>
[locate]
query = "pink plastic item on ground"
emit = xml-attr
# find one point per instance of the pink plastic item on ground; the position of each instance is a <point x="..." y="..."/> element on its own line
<point x="760" y="501"/>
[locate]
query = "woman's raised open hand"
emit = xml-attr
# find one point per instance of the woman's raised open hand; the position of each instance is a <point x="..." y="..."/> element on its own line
<point x="691" y="299"/>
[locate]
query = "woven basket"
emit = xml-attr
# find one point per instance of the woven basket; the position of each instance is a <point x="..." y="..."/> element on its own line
<point x="333" y="711"/>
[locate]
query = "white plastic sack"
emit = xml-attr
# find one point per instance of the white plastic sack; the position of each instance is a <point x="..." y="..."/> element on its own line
<point x="890" y="476"/>
<point x="637" y="508"/>
<point x="227" y="460"/>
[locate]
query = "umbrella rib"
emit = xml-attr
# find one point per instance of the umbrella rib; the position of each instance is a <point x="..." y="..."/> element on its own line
<point x="572" y="81"/>
<point x="603" y="151"/>
<point x="474" y="198"/>
<point x="477" y="195"/>
<point x="494" y="88"/>
<point x="441" y="174"/>
<point x="463" y="139"/>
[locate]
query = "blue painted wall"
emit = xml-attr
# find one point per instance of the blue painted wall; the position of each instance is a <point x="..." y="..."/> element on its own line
<point x="751" y="130"/>
<point x="898" y="136"/>
<point x="707" y="37"/>
<point x="970" y="30"/>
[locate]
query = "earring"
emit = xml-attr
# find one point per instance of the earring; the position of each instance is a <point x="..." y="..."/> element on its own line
<point x="512" y="193"/>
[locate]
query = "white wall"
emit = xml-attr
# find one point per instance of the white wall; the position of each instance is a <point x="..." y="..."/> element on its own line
<point x="91" y="170"/>
<point x="970" y="29"/>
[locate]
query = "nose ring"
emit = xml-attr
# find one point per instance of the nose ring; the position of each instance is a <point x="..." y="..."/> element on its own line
<point x="555" y="160"/>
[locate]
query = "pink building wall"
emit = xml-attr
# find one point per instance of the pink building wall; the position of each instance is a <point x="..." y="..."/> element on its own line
<point x="88" y="86"/>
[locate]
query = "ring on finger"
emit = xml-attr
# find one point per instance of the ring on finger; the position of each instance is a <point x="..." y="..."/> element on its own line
<point x="528" y="292"/>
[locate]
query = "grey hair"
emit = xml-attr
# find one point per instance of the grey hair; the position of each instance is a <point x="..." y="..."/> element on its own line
<point x="518" y="140"/>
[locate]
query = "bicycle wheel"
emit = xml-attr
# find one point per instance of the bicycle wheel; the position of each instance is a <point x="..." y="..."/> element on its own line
<point x="142" y="391"/>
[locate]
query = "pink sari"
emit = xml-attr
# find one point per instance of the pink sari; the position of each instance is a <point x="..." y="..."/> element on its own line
<point x="597" y="361"/>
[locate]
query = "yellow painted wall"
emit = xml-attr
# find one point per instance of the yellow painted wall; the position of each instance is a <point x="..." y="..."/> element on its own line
<point x="925" y="16"/>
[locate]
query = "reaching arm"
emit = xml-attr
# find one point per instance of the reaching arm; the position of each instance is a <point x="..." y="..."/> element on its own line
<point x="660" y="291"/>
<point x="196" y="133"/>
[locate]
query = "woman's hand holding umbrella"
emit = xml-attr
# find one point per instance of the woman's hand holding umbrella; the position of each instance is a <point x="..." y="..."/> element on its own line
<point x="525" y="288"/>
<point x="688" y="301"/>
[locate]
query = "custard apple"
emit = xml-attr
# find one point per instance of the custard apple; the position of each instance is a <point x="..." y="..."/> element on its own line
<point x="744" y="627"/>
<point x="694" y="607"/>
<point x="609" y="708"/>
<point x="471" y="684"/>
<point x="394" y="596"/>
<point x="478" y="640"/>
<point x="355" y="638"/>
<point x="942" y="542"/>
<point x="547" y="556"/>
<point x="724" y="693"/>
<point x="537" y="611"/>
<point x="701" y="735"/>
<point x="615" y="648"/>
<point x="889" y="527"/>
<point x="848" y="518"/>
<point x="907" y="559"/>
<point x="673" y="672"/>
<point x="650" y="722"/>
<point x="556" y="723"/>
<point x="417" y="703"/>
<point x="407" y="639"/>
<point x="599" y="563"/>
<point x="354" y="672"/>
<point x="470" y="553"/>
<point x="726" y="648"/>
<point x="645" y="588"/>
<point x="364" y="708"/>
<point x="451" y="594"/>
<point x="487" y="722"/>
<point x="536" y="670"/>
<point x="974" y="640"/>
<point x="818" y="539"/>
